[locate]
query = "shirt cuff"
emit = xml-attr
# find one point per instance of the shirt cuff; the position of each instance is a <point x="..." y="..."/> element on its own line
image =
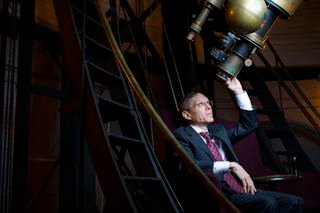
<point x="221" y="166"/>
<point x="243" y="101"/>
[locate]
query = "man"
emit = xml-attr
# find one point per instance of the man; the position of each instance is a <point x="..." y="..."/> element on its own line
<point x="215" y="153"/>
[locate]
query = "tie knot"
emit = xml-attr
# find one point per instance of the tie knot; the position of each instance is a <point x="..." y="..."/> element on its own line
<point x="205" y="135"/>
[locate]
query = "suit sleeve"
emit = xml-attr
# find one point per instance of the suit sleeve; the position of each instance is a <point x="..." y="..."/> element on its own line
<point x="247" y="124"/>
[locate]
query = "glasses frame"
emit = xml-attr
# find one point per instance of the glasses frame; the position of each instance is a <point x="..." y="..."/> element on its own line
<point x="202" y="104"/>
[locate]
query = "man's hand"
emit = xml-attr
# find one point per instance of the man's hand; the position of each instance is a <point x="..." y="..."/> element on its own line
<point x="234" y="85"/>
<point x="244" y="177"/>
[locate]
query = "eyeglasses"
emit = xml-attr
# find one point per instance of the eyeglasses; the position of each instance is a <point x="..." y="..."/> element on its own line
<point x="202" y="105"/>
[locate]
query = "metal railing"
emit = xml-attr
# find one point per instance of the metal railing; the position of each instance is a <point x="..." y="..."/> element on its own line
<point x="280" y="66"/>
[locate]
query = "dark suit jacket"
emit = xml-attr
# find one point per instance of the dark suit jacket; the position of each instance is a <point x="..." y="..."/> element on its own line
<point x="198" y="150"/>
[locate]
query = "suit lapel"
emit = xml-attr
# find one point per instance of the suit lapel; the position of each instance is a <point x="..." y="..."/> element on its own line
<point x="197" y="140"/>
<point x="217" y="133"/>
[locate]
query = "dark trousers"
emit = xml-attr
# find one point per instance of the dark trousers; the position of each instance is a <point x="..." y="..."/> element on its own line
<point x="268" y="201"/>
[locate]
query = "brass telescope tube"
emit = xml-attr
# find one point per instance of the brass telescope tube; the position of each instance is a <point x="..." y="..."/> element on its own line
<point x="208" y="6"/>
<point x="248" y="43"/>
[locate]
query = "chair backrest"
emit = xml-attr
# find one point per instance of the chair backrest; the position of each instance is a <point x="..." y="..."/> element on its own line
<point x="171" y="118"/>
<point x="248" y="152"/>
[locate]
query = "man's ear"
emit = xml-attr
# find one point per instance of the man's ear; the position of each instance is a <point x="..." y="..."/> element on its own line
<point x="186" y="115"/>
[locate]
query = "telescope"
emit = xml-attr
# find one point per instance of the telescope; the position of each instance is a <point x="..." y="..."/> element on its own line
<point x="249" y="22"/>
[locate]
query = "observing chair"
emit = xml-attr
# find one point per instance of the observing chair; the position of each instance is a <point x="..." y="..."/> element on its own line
<point x="250" y="156"/>
<point x="291" y="180"/>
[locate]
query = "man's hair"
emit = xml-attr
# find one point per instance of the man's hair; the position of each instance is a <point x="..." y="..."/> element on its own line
<point x="185" y="105"/>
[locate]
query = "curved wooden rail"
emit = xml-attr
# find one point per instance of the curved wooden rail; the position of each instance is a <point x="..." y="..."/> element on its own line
<point x="214" y="191"/>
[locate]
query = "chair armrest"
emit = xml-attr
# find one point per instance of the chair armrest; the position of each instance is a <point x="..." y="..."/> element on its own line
<point x="273" y="179"/>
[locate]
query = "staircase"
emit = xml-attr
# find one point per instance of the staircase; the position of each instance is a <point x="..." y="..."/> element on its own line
<point x="127" y="169"/>
<point x="276" y="131"/>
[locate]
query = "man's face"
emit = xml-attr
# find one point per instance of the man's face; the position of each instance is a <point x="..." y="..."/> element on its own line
<point x="200" y="111"/>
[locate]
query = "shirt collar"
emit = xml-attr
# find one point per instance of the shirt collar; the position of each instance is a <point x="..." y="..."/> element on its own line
<point x="197" y="129"/>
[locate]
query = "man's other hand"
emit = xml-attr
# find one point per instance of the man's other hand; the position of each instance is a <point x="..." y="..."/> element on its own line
<point x="244" y="177"/>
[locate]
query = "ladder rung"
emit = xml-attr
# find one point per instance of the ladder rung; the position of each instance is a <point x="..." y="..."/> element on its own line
<point x="117" y="109"/>
<point x="120" y="139"/>
<point x="78" y="15"/>
<point x="102" y="76"/>
<point x="97" y="46"/>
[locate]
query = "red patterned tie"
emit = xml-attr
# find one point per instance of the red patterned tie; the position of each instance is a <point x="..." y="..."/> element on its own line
<point x="228" y="177"/>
